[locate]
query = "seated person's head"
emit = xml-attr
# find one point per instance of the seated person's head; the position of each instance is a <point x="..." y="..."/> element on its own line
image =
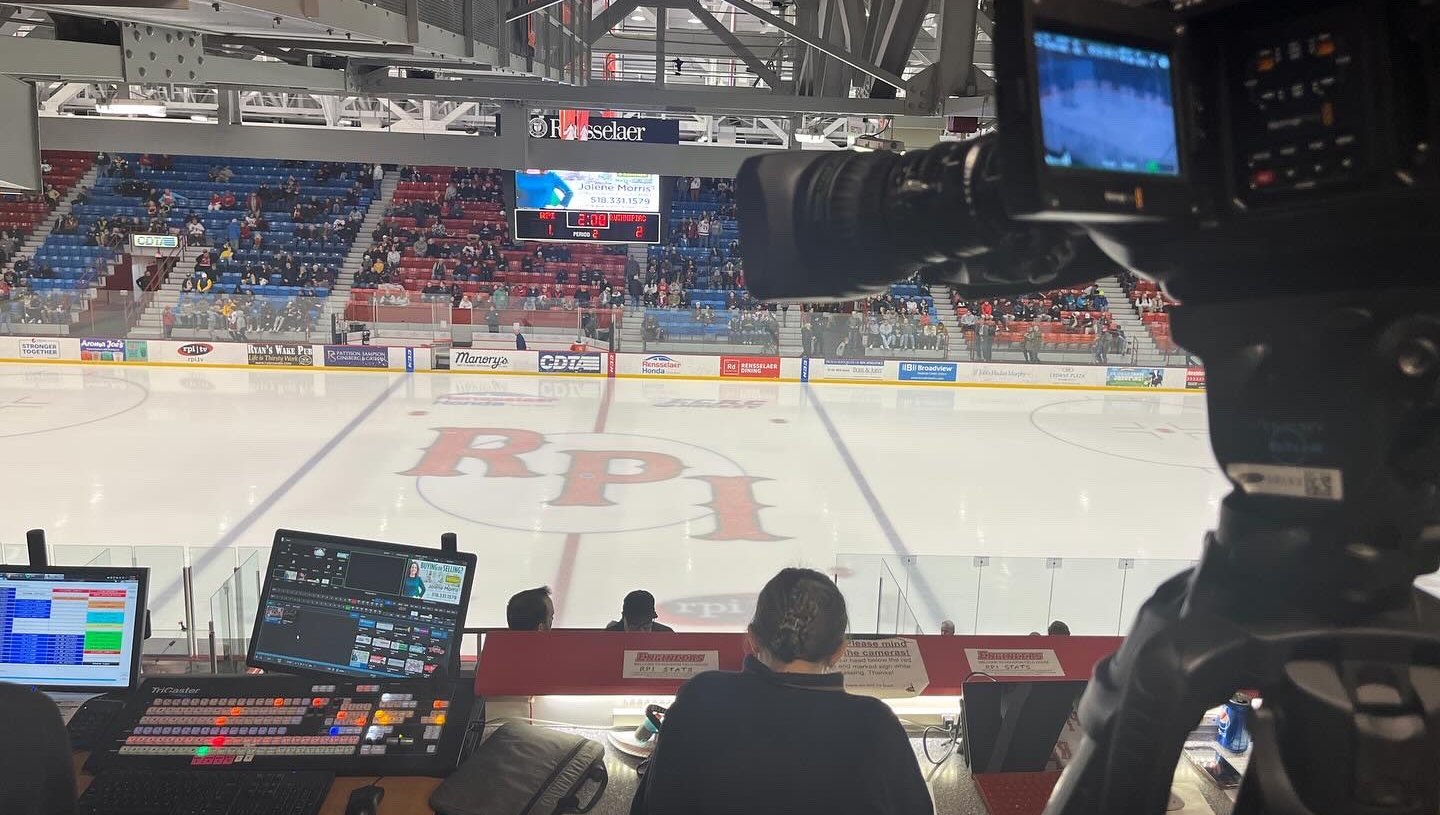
<point x="1058" y="629"/>
<point x="531" y="610"/>
<point x="800" y="622"/>
<point x="37" y="773"/>
<point x="638" y="610"/>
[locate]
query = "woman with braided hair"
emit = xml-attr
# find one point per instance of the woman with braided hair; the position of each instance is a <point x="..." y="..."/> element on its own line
<point x="782" y="735"/>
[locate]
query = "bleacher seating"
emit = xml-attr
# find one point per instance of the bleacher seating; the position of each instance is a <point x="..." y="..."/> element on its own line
<point x="1055" y="334"/>
<point x="481" y="218"/>
<point x="188" y="180"/>
<point x="1157" y="321"/>
<point x="19" y="214"/>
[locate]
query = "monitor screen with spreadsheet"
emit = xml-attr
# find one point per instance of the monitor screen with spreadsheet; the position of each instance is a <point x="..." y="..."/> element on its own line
<point x="66" y="628"/>
<point x="360" y="608"/>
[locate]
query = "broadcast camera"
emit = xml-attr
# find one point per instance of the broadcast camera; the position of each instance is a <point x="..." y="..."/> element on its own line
<point x="1272" y="164"/>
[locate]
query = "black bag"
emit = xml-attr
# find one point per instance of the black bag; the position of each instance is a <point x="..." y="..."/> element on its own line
<point x="524" y="770"/>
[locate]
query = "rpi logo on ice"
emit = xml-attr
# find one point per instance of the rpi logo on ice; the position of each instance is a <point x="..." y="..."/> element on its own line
<point x="659" y="364"/>
<point x="519" y="479"/>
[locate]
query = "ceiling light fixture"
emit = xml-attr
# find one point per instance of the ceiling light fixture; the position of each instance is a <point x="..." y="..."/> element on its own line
<point x="125" y="107"/>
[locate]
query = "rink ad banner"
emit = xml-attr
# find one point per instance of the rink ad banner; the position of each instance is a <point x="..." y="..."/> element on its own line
<point x="928" y="371"/>
<point x="98" y="350"/>
<point x="666" y="365"/>
<point x="280" y="353"/>
<point x="566" y="362"/>
<point x="750" y="367"/>
<point x="1134" y="377"/>
<point x="39" y="348"/>
<point x="469" y="359"/>
<point x="870" y="370"/>
<point x="357" y="356"/>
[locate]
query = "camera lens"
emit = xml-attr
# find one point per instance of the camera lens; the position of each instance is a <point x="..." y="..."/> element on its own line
<point x="844" y="224"/>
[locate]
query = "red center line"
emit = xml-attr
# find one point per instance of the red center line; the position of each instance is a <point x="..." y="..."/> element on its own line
<point x="560" y="586"/>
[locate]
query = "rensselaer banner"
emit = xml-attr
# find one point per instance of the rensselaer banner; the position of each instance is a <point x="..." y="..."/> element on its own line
<point x="280" y="353"/>
<point x="648" y="131"/>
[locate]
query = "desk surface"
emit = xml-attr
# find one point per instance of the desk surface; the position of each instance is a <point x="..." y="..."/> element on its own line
<point x="951" y="786"/>
<point x="589" y="663"/>
<point x="409" y="795"/>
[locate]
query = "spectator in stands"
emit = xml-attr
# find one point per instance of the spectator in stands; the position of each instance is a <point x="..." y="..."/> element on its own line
<point x="239" y="324"/>
<point x="637" y="612"/>
<point x="167" y="319"/>
<point x="519" y="339"/>
<point x="782" y="735"/>
<point x="195" y="231"/>
<point x="1032" y="343"/>
<point x="530" y="610"/>
<point x="1101" y="348"/>
<point x="492" y="319"/>
<point x="985" y="340"/>
<point x="21" y="266"/>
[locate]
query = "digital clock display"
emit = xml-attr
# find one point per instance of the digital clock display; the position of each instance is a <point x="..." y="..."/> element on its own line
<point x="589" y="220"/>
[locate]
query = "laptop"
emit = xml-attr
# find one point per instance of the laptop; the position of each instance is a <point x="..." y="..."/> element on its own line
<point x="73" y="632"/>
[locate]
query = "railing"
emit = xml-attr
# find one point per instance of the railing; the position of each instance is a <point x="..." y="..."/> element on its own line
<point x="885" y="594"/>
<point x="889" y="594"/>
<point x="394" y="316"/>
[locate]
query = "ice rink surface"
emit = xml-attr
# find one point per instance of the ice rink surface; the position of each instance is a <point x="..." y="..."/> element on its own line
<point x="696" y="490"/>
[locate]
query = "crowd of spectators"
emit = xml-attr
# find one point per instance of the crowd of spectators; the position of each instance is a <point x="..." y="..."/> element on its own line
<point x="240" y="285"/>
<point x="468" y="264"/>
<point x="874" y="326"/>
<point x="1034" y="320"/>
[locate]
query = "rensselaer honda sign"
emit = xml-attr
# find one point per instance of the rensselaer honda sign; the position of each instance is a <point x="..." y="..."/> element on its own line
<point x="649" y="131"/>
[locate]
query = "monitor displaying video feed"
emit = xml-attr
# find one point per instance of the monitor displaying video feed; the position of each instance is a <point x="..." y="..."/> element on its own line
<point x="360" y="608"/>
<point x="1106" y="107"/>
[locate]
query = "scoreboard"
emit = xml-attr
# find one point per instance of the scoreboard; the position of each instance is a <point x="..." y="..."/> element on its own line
<point x="583" y="226"/>
<point x="586" y="206"/>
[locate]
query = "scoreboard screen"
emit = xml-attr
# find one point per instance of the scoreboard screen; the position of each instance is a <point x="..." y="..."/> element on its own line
<point x="587" y="207"/>
<point x="592" y="227"/>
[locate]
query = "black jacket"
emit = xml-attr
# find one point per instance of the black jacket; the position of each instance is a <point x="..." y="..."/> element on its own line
<point x="619" y="625"/>
<point x="763" y="742"/>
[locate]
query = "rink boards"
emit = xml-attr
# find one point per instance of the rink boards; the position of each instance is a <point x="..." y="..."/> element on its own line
<point x="266" y="354"/>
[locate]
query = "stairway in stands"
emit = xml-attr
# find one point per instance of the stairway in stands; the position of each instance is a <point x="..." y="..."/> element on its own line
<point x="1125" y="314"/>
<point x="340" y="293"/>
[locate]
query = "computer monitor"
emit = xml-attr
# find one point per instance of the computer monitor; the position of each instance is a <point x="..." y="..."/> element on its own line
<point x="72" y="628"/>
<point x="1012" y="727"/>
<point x="358" y="608"/>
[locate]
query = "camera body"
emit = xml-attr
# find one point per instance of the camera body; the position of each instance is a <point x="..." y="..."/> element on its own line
<point x="1230" y="149"/>
<point x="1229" y="111"/>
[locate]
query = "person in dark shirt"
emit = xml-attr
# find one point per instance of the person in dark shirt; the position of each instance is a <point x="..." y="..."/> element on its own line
<point x="37" y="774"/>
<point x="637" y="613"/>
<point x="782" y="735"/>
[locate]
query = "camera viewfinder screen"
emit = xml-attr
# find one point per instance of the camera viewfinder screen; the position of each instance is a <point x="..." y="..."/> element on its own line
<point x="1106" y="107"/>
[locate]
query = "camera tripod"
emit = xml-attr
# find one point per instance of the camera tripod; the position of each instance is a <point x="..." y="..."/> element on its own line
<point x="1325" y="414"/>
